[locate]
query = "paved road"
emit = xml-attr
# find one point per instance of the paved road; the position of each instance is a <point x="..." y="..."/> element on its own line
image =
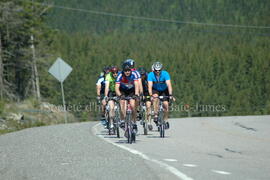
<point x="194" y="148"/>
<point x="69" y="152"/>
<point x="211" y="148"/>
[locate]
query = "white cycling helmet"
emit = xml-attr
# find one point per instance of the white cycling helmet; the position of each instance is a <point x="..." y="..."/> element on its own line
<point x="157" y="66"/>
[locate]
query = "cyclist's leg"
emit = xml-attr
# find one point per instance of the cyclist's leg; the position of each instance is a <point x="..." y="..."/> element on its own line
<point x="166" y="110"/>
<point x="122" y="106"/>
<point x="133" y="103"/>
<point x="111" y="114"/>
<point x="111" y="103"/>
<point x="134" y="111"/>
<point x="103" y="105"/>
<point x="123" y="109"/>
<point x="148" y="111"/>
<point x="102" y="109"/>
<point x="137" y="107"/>
<point x="148" y="114"/>
<point x="155" y="104"/>
<point x="148" y="104"/>
<point x="166" y="107"/>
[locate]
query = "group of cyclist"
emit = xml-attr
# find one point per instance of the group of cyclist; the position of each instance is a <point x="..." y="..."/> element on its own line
<point x="137" y="84"/>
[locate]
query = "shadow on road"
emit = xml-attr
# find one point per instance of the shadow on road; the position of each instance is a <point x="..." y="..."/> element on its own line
<point x="157" y="137"/>
<point x="125" y="142"/>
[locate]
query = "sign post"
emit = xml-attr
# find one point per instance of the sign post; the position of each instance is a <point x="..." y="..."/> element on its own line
<point x="60" y="70"/>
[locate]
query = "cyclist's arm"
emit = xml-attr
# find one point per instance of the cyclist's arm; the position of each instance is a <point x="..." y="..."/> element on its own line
<point x="117" y="89"/>
<point x="137" y="87"/>
<point x="169" y="84"/>
<point x="98" y="87"/>
<point x="150" y="85"/>
<point x="107" y="85"/>
<point x="140" y="86"/>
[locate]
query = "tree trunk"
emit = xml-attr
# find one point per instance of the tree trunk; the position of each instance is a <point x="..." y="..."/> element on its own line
<point x="1" y="70"/>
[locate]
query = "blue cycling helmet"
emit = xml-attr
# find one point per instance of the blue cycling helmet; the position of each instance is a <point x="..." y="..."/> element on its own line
<point x="126" y="66"/>
<point x="131" y="62"/>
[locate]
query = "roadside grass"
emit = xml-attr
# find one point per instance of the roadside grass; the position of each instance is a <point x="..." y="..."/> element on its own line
<point x="29" y="113"/>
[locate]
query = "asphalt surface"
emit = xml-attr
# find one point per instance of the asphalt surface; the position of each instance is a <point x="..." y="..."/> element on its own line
<point x="211" y="148"/>
<point x="69" y="152"/>
<point x="194" y="148"/>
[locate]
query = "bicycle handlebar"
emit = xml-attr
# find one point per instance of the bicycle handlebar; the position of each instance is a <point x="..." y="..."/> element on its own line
<point x="129" y="97"/>
<point x="161" y="97"/>
<point x="170" y="98"/>
<point x="115" y="98"/>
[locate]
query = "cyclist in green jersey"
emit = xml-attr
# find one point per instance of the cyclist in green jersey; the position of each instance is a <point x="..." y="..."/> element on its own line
<point x="110" y="91"/>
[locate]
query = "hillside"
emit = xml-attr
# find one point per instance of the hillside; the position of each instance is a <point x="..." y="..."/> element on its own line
<point x="107" y="15"/>
<point x="217" y="52"/>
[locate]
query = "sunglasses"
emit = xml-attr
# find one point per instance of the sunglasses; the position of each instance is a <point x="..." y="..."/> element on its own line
<point x="115" y="72"/>
<point x="127" y="70"/>
<point x="157" y="70"/>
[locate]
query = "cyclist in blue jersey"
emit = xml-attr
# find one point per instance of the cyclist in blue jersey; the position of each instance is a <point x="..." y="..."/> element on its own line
<point x="159" y="84"/>
<point x="127" y="86"/>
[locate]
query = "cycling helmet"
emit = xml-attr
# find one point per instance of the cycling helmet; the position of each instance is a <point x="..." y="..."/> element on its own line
<point x="131" y="62"/>
<point x="106" y="69"/>
<point x="157" y="66"/>
<point x="152" y="67"/>
<point x="114" y="69"/>
<point x="126" y="66"/>
<point x="141" y="70"/>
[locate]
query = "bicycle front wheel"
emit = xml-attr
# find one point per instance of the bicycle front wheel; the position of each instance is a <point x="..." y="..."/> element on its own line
<point x="116" y="123"/>
<point x="129" y="128"/>
<point x="161" y="124"/>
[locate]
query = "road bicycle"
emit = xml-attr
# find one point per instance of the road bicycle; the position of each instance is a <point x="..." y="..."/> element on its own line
<point x="143" y="116"/>
<point x="116" y="118"/>
<point x="161" y="121"/>
<point x="129" y="125"/>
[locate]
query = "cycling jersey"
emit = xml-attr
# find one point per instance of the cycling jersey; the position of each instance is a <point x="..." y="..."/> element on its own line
<point x="101" y="81"/>
<point x="126" y="82"/>
<point x="137" y="73"/>
<point x="110" y="79"/>
<point x="159" y="82"/>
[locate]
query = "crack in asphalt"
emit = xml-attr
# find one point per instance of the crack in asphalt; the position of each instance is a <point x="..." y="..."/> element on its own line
<point x="233" y="151"/>
<point x="216" y="155"/>
<point x="245" y="127"/>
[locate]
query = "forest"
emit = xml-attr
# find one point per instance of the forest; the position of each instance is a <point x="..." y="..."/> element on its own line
<point x="217" y="52"/>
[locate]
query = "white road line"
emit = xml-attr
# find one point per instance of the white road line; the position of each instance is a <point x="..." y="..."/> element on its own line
<point x="173" y="170"/>
<point x="221" y="172"/>
<point x="170" y="160"/>
<point x="190" y="165"/>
